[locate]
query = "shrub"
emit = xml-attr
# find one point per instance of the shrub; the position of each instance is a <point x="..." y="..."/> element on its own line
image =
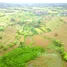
<point x="1" y="46"/>
<point x="11" y="45"/>
<point x="1" y="28"/>
<point x="60" y="47"/>
<point x="58" y="43"/>
<point x="21" y="44"/>
<point x="49" y="30"/>
<point x="65" y="56"/>
<point x="0" y="37"/>
<point x="15" y="42"/>
<point x="56" y="34"/>
<point x="61" y="50"/>
<point x="20" y="32"/>
<point x="5" y="48"/>
<point x="12" y="20"/>
<point x="17" y="36"/>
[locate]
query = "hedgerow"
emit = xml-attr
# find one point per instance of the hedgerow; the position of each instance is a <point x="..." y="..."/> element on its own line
<point x="61" y="50"/>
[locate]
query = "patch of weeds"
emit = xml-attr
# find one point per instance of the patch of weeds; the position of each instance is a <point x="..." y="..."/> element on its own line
<point x="21" y="44"/>
<point x="1" y="28"/>
<point x="5" y="48"/>
<point x="0" y="37"/>
<point x="11" y="45"/>
<point x="1" y="46"/>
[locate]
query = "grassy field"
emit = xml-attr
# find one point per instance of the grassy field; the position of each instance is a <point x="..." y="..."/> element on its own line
<point x="28" y="37"/>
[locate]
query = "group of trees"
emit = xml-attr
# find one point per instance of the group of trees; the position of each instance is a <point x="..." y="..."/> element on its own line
<point x="60" y="48"/>
<point x="20" y="56"/>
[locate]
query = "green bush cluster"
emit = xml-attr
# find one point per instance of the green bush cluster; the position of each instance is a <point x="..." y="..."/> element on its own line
<point x="1" y="28"/>
<point x="15" y="42"/>
<point x="3" y="47"/>
<point x="19" y="56"/>
<point x="60" y="48"/>
<point x="0" y="37"/>
<point x="17" y="36"/>
<point x="21" y="44"/>
<point x="49" y="30"/>
<point x="58" y="43"/>
<point x="12" y="44"/>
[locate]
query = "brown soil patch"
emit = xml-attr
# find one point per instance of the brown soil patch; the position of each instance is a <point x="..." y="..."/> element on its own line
<point x="40" y="41"/>
<point x="37" y="40"/>
<point x="28" y="40"/>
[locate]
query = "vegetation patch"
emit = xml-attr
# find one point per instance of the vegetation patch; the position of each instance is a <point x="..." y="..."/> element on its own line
<point x="60" y="48"/>
<point x="19" y="56"/>
<point x="1" y="28"/>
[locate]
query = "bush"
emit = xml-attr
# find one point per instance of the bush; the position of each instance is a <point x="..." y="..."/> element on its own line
<point x="5" y="48"/>
<point x="17" y="36"/>
<point x="60" y="47"/>
<point x="20" y="32"/>
<point x="61" y="50"/>
<point x="49" y="30"/>
<point x="1" y="46"/>
<point x="56" y="34"/>
<point x="0" y="37"/>
<point x="11" y="45"/>
<point x="21" y="44"/>
<point x="65" y="56"/>
<point x="58" y="43"/>
<point x="1" y="28"/>
<point x="15" y="42"/>
<point x="12" y="20"/>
